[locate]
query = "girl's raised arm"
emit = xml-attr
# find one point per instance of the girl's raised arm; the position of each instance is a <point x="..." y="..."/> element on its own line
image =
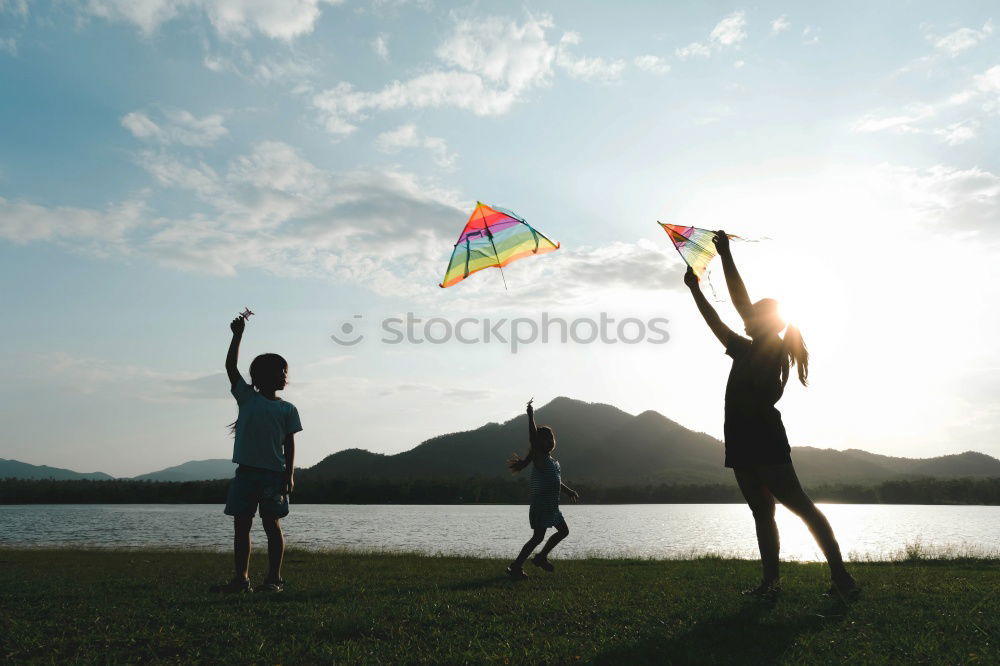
<point x="532" y="428"/>
<point x="737" y="290"/>
<point x="236" y="327"/>
<point x="721" y="331"/>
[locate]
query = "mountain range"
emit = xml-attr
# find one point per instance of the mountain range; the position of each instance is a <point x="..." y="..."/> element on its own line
<point x="596" y="443"/>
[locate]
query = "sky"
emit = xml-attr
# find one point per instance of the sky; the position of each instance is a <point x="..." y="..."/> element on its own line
<point x="166" y="163"/>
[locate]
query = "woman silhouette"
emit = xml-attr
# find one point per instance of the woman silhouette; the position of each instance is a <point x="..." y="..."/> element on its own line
<point x="756" y="445"/>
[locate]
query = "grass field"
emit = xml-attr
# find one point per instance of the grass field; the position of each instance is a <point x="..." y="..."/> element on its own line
<point x="59" y="606"/>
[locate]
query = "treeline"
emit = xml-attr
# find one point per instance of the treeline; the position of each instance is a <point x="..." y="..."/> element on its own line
<point x="478" y="490"/>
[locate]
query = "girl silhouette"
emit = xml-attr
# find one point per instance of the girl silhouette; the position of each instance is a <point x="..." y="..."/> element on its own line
<point x="546" y="484"/>
<point x="756" y="445"/>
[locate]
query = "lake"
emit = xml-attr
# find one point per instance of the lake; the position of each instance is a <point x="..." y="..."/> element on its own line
<point x="632" y="530"/>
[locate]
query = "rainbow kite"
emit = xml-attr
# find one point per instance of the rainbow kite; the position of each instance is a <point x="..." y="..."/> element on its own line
<point x="493" y="237"/>
<point x="694" y="245"/>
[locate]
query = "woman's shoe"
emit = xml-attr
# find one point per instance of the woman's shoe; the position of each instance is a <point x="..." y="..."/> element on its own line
<point x="848" y="590"/>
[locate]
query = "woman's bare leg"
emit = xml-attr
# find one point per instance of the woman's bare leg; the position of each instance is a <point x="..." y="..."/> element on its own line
<point x="784" y="484"/>
<point x="761" y="503"/>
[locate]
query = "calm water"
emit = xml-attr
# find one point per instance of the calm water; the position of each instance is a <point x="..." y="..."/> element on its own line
<point x="642" y="530"/>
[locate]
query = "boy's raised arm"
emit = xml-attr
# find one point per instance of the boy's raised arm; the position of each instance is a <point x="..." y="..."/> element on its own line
<point x="237" y="327"/>
<point x="532" y="428"/>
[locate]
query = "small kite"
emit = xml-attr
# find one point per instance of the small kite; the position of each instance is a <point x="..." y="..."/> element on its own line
<point x="246" y="313"/>
<point x="694" y="245"/>
<point x="493" y="237"/>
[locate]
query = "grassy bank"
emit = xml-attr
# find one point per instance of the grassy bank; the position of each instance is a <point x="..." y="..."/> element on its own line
<point x="97" y="606"/>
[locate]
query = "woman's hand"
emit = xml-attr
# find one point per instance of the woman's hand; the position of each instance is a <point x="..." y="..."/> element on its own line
<point x="237" y="325"/>
<point x="721" y="241"/>
<point x="289" y="483"/>
<point x="573" y="495"/>
<point x="690" y="279"/>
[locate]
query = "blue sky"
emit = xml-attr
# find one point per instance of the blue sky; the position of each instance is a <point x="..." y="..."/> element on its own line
<point x="166" y="162"/>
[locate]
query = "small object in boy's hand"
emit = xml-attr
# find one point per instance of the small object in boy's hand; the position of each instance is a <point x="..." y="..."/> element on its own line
<point x="246" y="313"/>
<point x="531" y="401"/>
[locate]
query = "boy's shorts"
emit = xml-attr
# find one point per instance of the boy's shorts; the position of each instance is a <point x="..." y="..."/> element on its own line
<point x="253" y="487"/>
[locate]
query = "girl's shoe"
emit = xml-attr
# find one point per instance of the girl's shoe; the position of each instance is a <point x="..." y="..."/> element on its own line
<point x="272" y="585"/>
<point x="516" y="572"/>
<point x="848" y="590"/>
<point x="765" y="591"/>
<point x="543" y="563"/>
<point x="234" y="586"/>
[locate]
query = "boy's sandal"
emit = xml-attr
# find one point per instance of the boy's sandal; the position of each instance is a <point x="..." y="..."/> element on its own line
<point x="516" y="572"/>
<point x="235" y="586"/>
<point x="272" y="585"/>
<point x="542" y="563"/>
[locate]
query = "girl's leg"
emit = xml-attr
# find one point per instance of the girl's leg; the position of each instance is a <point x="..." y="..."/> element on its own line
<point x="241" y="545"/>
<point x="784" y="484"/>
<point x="275" y="547"/>
<point x="562" y="531"/>
<point x="761" y="503"/>
<point x="530" y="546"/>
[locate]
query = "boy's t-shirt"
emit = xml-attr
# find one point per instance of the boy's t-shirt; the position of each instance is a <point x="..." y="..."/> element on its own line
<point x="261" y="427"/>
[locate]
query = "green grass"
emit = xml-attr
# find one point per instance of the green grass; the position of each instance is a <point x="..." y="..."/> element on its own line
<point x="59" y="606"/>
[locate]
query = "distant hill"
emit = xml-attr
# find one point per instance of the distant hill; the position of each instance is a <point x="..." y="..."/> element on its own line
<point x="193" y="470"/>
<point x="603" y="445"/>
<point x="15" y="469"/>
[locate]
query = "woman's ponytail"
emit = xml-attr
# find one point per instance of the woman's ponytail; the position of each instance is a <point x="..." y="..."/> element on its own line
<point x="798" y="354"/>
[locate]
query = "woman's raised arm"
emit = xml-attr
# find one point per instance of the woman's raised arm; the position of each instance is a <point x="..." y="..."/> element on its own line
<point x="721" y="331"/>
<point x="737" y="290"/>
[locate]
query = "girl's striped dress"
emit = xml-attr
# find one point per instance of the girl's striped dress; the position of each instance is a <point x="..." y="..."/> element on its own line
<point x="546" y="479"/>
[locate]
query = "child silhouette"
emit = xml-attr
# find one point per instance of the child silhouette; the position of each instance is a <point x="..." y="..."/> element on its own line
<point x="264" y="447"/>
<point x="546" y="484"/>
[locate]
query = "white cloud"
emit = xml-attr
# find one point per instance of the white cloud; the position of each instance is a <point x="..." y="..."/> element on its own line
<point x="93" y="231"/>
<point x="496" y="63"/>
<point x="957" y="133"/>
<point x="8" y="45"/>
<point x="914" y="118"/>
<point x="583" y="68"/>
<point x="270" y="210"/>
<point x="693" y="50"/>
<point x="730" y="31"/>
<point x="903" y="123"/>
<point x="178" y="126"/>
<point x="780" y="24"/>
<point x="961" y="40"/>
<point x="380" y="45"/>
<point x="810" y="36"/>
<point x="19" y="7"/>
<point x="407" y="136"/>
<point x="652" y="64"/>
<point x="278" y="19"/>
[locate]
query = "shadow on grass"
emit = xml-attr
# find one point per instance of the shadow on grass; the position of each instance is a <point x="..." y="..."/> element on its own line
<point x="748" y="636"/>
<point x="501" y="579"/>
